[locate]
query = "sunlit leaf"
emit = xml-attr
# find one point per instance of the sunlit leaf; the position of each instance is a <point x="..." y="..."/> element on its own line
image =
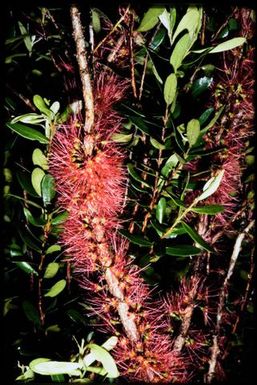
<point x="51" y="270"/>
<point x="36" y="179"/>
<point x="193" y="131"/>
<point x="53" y="249"/>
<point x="150" y="19"/>
<point x="211" y="186"/>
<point x="228" y="45"/>
<point x="96" y="22"/>
<point x="60" y="218"/>
<point x="31" y="118"/>
<point x="170" y="88"/>
<point x="180" y="51"/>
<point x="190" y="21"/>
<point x="161" y="209"/>
<point x="49" y="368"/>
<point x="103" y="356"/>
<point x="41" y="105"/>
<point x="56" y="289"/>
<point x="39" y="159"/>
<point x="55" y="107"/>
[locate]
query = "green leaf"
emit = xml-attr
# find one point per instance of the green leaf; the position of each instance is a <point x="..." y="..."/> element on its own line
<point x="47" y="189"/>
<point x="39" y="159"/>
<point x="140" y="124"/>
<point x="180" y="51"/>
<point x="56" y="289"/>
<point x="31" y="118"/>
<point x="169" y="165"/>
<point x="228" y="45"/>
<point x="25" y="266"/>
<point x="40" y="104"/>
<point x="24" y="180"/>
<point x="26" y="37"/>
<point x="36" y="179"/>
<point x="208" y="209"/>
<point x="157" y="39"/>
<point x="135" y="175"/>
<point x="154" y="70"/>
<point x="27" y="132"/>
<point x="161" y="209"/>
<point x="211" y="186"/>
<point x="170" y="88"/>
<point x="49" y="368"/>
<point x="156" y="144"/>
<point x="28" y="375"/>
<point x="51" y="270"/>
<point x="182" y="250"/>
<point x="167" y="20"/>
<point x="122" y="138"/>
<point x="60" y="218"/>
<point x="193" y="131"/>
<point x="38" y="222"/>
<point x="190" y="21"/>
<point x="136" y="239"/>
<point x="29" y="241"/>
<point x="196" y="237"/>
<point x="205" y="115"/>
<point x="31" y="312"/>
<point x="150" y="19"/>
<point x="201" y="85"/>
<point x="213" y="121"/>
<point x="55" y="107"/>
<point x="96" y="22"/>
<point x="37" y="361"/>
<point x="110" y="343"/>
<point x="53" y="249"/>
<point x="103" y="356"/>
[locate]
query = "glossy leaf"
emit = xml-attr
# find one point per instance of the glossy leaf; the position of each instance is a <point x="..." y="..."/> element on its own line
<point x="157" y="39"/>
<point x="170" y="88"/>
<point x="167" y="21"/>
<point x="24" y="180"/>
<point x="193" y="131"/>
<point x="150" y="19"/>
<point x="182" y="250"/>
<point x="201" y="85"/>
<point x="38" y="222"/>
<point x="39" y="159"/>
<point x="27" y="132"/>
<point x="196" y="237"/>
<point x="60" y="218"/>
<point x="205" y="115"/>
<point x="180" y="51"/>
<point x="36" y="179"/>
<point x="29" y="241"/>
<point x="209" y="209"/>
<point x="55" y="107"/>
<point x="47" y="189"/>
<point x="31" y="118"/>
<point x="211" y="186"/>
<point x="161" y="209"/>
<point x="136" y="239"/>
<point x="140" y="124"/>
<point x="103" y="356"/>
<point x="25" y="266"/>
<point x="56" y="289"/>
<point x="51" y="270"/>
<point x="49" y="368"/>
<point x="171" y="162"/>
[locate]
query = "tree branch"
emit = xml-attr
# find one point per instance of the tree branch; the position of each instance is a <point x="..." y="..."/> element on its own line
<point x="84" y="72"/>
<point x="223" y="294"/>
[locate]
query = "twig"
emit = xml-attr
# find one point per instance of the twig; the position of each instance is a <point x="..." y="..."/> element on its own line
<point x="132" y="64"/>
<point x="84" y="73"/>
<point x="113" y="29"/>
<point x="22" y="98"/>
<point x="143" y="77"/>
<point x="126" y="318"/>
<point x="222" y="298"/>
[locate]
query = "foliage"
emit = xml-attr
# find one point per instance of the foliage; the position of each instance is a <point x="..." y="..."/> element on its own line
<point x="183" y="210"/>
